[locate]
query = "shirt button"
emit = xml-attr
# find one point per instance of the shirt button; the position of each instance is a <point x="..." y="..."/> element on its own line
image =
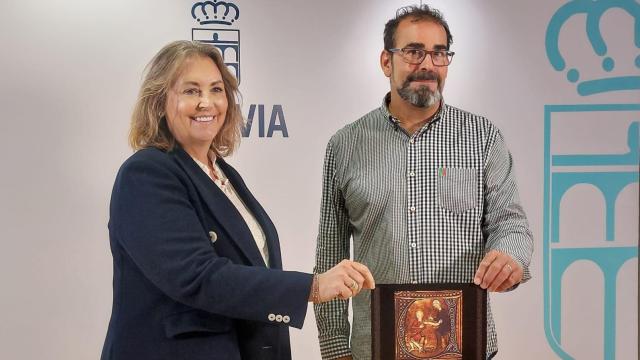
<point x="279" y="318"/>
<point x="271" y="317"/>
<point x="412" y="209"/>
<point x="413" y="245"/>
<point x="412" y="174"/>
<point x="286" y="319"/>
<point x="412" y="141"/>
<point x="414" y="282"/>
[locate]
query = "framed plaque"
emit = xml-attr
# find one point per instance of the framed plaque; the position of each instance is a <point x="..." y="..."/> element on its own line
<point x="428" y="321"/>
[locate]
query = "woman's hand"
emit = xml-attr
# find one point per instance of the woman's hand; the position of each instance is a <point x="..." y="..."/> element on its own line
<point x="343" y="281"/>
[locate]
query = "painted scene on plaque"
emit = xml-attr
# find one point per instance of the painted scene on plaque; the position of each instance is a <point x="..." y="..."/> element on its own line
<point x="428" y="324"/>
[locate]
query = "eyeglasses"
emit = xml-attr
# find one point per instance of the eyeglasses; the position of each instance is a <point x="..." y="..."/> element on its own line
<point x="415" y="56"/>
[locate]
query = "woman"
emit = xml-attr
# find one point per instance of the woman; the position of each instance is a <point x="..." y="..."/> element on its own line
<point x="197" y="268"/>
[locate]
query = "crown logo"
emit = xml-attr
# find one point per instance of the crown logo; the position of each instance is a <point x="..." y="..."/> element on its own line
<point x="215" y="12"/>
<point x="594" y="9"/>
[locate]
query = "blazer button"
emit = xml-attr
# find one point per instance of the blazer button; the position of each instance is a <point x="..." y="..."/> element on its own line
<point x="271" y="317"/>
<point x="213" y="236"/>
<point x="279" y="318"/>
<point x="285" y="319"/>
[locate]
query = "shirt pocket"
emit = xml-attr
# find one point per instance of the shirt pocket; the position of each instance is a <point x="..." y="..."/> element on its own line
<point x="458" y="189"/>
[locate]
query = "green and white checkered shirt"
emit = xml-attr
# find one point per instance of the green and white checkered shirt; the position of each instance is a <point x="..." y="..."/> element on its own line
<point x="421" y="208"/>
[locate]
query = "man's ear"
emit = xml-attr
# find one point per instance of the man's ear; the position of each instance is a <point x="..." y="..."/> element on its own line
<point x="385" y="62"/>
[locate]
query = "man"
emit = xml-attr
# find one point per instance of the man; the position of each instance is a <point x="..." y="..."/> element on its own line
<point x="443" y="324"/>
<point x="426" y="190"/>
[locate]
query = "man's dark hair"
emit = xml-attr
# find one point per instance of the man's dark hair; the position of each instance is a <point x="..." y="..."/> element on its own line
<point x="415" y="13"/>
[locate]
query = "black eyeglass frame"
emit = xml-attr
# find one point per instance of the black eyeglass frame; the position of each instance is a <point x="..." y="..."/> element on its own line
<point x="448" y="54"/>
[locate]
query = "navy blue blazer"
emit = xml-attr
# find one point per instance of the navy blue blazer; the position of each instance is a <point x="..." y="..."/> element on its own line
<point x="177" y="293"/>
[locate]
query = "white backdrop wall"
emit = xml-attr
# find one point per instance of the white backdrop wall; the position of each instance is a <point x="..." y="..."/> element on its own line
<point x="70" y="71"/>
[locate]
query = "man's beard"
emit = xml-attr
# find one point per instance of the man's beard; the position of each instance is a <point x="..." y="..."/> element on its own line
<point x="421" y="97"/>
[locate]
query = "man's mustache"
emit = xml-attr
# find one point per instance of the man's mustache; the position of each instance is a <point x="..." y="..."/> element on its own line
<point x="423" y="75"/>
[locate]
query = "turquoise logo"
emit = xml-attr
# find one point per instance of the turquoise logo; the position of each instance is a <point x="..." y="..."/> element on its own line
<point x="608" y="173"/>
<point x="594" y="9"/>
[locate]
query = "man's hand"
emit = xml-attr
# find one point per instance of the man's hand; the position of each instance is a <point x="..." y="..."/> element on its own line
<point x="498" y="272"/>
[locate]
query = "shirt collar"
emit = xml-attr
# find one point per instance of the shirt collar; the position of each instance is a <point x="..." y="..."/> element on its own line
<point x="395" y="122"/>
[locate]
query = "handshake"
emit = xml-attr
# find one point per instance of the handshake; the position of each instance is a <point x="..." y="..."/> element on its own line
<point x="342" y="281"/>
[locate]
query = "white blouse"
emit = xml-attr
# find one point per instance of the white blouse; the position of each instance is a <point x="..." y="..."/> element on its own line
<point x="225" y="185"/>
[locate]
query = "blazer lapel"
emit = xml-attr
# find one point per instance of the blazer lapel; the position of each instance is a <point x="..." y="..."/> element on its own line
<point x="221" y="207"/>
<point x="258" y="212"/>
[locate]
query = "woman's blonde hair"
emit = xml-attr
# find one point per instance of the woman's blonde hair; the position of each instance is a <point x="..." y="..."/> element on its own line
<point x="148" y="122"/>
